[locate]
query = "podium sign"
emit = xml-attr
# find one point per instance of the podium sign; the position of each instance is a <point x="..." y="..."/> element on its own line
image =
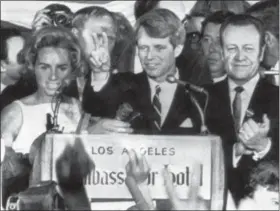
<point x="109" y="153"/>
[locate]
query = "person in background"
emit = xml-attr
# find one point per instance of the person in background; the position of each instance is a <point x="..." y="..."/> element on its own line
<point x="53" y="15"/>
<point x="263" y="188"/>
<point x="210" y="43"/>
<point x="209" y="6"/>
<point x="243" y="109"/>
<point x="12" y="43"/>
<point x="142" y="7"/>
<point x="123" y="53"/>
<point x="268" y="12"/>
<point x="193" y="26"/>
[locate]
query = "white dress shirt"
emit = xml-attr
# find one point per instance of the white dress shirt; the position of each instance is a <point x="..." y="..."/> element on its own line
<point x="246" y="96"/>
<point x="276" y="77"/>
<point x="3" y="86"/>
<point x="218" y="79"/>
<point x="166" y="95"/>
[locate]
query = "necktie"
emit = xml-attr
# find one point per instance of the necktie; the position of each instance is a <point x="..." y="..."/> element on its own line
<point x="157" y="109"/>
<point x="236" y="107"/>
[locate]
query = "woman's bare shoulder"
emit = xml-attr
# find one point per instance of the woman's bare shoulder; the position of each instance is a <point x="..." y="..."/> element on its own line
<point x="11" y="111"/>
<point x="11" y="120"/>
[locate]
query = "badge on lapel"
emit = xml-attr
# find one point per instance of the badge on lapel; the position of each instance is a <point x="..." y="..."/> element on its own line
<point x="187" y="123"/>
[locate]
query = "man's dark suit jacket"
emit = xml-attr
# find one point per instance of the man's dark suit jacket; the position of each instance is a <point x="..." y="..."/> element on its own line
<point x="265" y="100"/>
<point x="135" y="90"/>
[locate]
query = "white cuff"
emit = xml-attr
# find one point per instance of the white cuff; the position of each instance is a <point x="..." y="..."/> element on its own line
<point x="97" y="85"/>
<point x="259" y="155"/>
<point x="235" y="159"/>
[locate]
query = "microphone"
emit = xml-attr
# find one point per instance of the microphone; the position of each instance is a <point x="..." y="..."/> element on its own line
<point x="187" y="85"/>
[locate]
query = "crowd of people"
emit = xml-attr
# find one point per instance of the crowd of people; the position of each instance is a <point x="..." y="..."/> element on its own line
<point x="75" y="64"/>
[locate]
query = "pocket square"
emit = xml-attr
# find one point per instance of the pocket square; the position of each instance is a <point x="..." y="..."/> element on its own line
<point x="187" y="123"/>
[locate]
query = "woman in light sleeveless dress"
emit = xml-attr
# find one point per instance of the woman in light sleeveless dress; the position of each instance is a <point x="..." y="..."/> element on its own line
<point x="52" y="59"/>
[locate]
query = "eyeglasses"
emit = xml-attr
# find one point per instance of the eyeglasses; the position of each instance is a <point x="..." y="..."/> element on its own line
<point x="193" y="37"/>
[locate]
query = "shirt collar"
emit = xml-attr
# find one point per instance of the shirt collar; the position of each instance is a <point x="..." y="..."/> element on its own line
<point x="276" y="66"/>
<point x="153" y="83"/>
<point x="248" y="87"/>
<point x="218" y="79"/>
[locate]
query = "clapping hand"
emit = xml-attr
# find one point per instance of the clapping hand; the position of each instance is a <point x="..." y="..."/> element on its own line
<point x="253" y="136"/>
<point x="194" y="201"/>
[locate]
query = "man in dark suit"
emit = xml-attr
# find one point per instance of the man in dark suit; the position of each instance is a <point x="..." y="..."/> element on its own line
<point x="243" y="109"/>
<point x="268" y="12"/>
<point x="165" y="107"/>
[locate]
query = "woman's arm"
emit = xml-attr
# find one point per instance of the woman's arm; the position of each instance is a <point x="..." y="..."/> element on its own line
<point x="11" y="122"/>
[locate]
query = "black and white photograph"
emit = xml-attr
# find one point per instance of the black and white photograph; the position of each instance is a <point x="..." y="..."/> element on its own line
<point x="139" y="105"/>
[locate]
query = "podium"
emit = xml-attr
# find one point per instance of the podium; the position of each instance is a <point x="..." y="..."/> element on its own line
<point x="108" y="152"/>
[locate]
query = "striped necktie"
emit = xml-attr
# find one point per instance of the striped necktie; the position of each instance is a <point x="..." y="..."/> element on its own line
<point x="157" y="109"/>
<point x="236" y="107"/>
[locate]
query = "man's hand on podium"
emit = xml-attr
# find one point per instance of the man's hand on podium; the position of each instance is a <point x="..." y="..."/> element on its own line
<point x="107" y="126"/>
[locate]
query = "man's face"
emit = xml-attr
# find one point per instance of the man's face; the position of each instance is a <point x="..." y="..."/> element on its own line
<point x="242" y="52"/>
<point x="157" y="55"/>
<point x="11" y="65"/>
<point x="52" y="69"/>
<point x="96" y="25"/>
<point x="212" y="49"/>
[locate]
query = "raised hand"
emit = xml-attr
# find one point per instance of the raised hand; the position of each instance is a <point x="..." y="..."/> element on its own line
<point x="137" y="167"/>
<point x="137" y="172"/>
<point x="71" y="168"/>
<point x="41" y="19"/>
<point x="194" y="201"/>
<point x="100" y="55"/>
<point x="253" y="135"/>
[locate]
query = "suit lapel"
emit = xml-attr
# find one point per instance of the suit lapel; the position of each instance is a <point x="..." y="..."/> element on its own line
<point x="177" y="111"/>
<point x="257" y="100"/>
<point x="143" y="96"/>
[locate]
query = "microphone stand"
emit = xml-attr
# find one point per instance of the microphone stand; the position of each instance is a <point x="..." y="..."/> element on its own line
<point x="203" y="129"/>
<point x="52" y="123"/>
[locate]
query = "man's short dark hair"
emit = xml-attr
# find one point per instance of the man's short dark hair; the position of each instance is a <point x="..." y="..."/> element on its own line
<point x="216" y="17"/>
<point x="5" y="34"/>
<point x="265" y="174"/>
<point x="208" y="6"/>
<point x="243" y="20"/>
<point x="268" y="12"/>
<point x="262" y="5"/>
<point x="162" y="23"/>
<point x="141" y="7"/>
